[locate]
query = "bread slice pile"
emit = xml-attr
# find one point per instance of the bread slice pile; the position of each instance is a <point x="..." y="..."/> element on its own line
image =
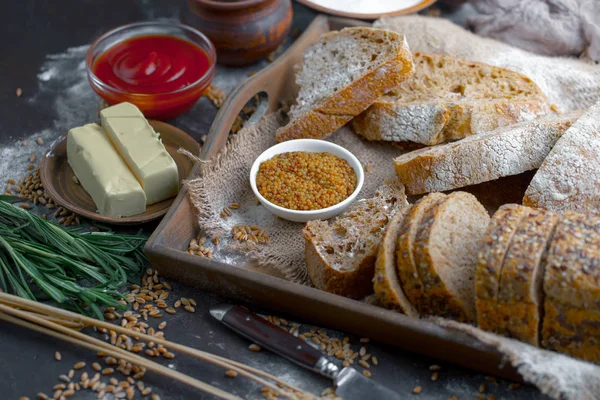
<point x="526" y="273"/>
<point x="341" y="75"/>
<point x="448" y="98"/>
<point x="417" y="263"/>
<point x="538" y="279"/>
<point x="340" y="254"/>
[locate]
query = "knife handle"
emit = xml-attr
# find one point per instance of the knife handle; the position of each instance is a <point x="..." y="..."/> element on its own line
<point x="271" y="337"/>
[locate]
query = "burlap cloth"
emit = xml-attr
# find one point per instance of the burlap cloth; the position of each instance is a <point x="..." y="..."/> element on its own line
<point x="569" y="83"/>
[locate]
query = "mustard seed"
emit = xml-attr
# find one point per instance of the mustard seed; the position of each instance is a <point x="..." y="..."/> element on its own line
<point x="306" y="180"/>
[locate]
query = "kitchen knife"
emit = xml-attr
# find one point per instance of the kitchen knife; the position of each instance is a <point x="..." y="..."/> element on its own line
<point x="350" y="384"/>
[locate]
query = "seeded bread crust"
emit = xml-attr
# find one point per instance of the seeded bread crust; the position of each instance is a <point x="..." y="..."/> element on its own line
<point x="569" y="177"/>
<point x="504" y="152"/>
<point x="572" y="288"/>
<point x="334" y="111"/>
<point x="448" y="98"/>
<point x="340" y="254"/>
<point x="407" y="269"/>
<point x="494" y="246"/>
<point x="355" y="284"/>
<point x="445" y="300"/>
<point x="386" y="282"/>
<point x="520" y="298"/>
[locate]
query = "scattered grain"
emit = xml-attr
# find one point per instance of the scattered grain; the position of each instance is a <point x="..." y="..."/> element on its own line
<point x="435" y="376"/>
<point x="231" y="374"/>
<point x="254" y="347"/>
<point x="79" y="365"/>
<point x="434" y="368"/>
<point x="417" y="390"/>
<point x="190" y="309"/>
<point x="482" y="388"/>
<point x="57" y="356"/>
<point x="366" y="372"/>
<point x="514" y="386"/>
<point x="215" y="95"/>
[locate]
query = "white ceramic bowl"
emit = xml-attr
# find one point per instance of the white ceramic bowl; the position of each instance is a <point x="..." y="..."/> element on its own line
<point x="312" y="146"/>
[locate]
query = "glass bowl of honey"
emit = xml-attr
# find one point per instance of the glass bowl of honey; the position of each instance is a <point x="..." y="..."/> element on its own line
<point x="161" y="67"/>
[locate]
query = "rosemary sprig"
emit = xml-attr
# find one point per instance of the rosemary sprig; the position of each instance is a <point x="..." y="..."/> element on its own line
<point x="81" y="271"/>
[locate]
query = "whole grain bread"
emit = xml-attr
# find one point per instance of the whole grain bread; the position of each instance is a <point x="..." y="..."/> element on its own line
<point x="446" y="248"/>
<point x="386" y="282"/>
<point x="494" y="245"/>
<point x="572" y="288"/>
<point x="341" y="75"/>
<point x="520" y="298"/>
<point x="569" y="178"/>
<point x="340" y="254"/>
<point x="405" y="258"/>
<point x="449" y="98"/>
<point x="482" y="158"/>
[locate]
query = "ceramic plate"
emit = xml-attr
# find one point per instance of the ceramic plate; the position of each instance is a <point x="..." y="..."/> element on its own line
<point x="367" y="9"/>
<point x="57" y="178"/>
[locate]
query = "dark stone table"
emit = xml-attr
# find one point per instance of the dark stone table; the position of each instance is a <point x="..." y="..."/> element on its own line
<point x="42" y="46"/>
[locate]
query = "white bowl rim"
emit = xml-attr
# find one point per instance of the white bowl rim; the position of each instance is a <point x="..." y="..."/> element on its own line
<point x="360" y="175"/>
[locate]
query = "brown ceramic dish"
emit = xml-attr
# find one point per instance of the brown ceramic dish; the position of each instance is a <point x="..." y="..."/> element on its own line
<point x="57" y="178"/>
<point x="167" y="246"/>
<point x="243" y="31"/>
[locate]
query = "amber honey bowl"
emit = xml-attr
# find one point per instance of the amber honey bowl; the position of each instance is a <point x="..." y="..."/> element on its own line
<point x="243" y="31"/>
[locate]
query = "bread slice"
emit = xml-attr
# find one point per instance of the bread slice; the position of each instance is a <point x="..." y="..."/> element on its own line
<point x="405" y="258"/>
<point x="494" y="246"/>
<point x="572" y="288"/>
<point x="520" y="298"/>
<point x="482" y="158"/>
<point x="340" y="254"/>
<point x="569" y="177"/>
<point x="341" y="75"/>
<point x="386" y="282"/>
<point x="449" y="98"/>
<point x="446" y="248"/>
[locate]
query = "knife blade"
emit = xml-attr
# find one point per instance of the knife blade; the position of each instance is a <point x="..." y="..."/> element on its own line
<point x="350" y="384"/>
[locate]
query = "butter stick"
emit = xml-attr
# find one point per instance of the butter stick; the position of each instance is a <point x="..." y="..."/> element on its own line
<point x="143" y="151"/>
<point x="103" y="173"/>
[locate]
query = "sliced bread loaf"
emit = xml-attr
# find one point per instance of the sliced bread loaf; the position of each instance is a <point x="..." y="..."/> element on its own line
<point x="494" y="246"/>
<point x="405" y="258"/>
<point x="340" y="254"/>
<point x="450" y="98"/>
<point x="520" y="298"/>
<point x="572" y="288"/>
<point x="386" y="282"/>
<point x="482" y="158"/>
<point x="341" y="75"/>
<point x="446" y="248"/>
<point x="569" y="178"/>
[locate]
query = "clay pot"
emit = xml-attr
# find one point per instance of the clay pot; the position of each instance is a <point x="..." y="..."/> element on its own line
<point x="243" y="31"/>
